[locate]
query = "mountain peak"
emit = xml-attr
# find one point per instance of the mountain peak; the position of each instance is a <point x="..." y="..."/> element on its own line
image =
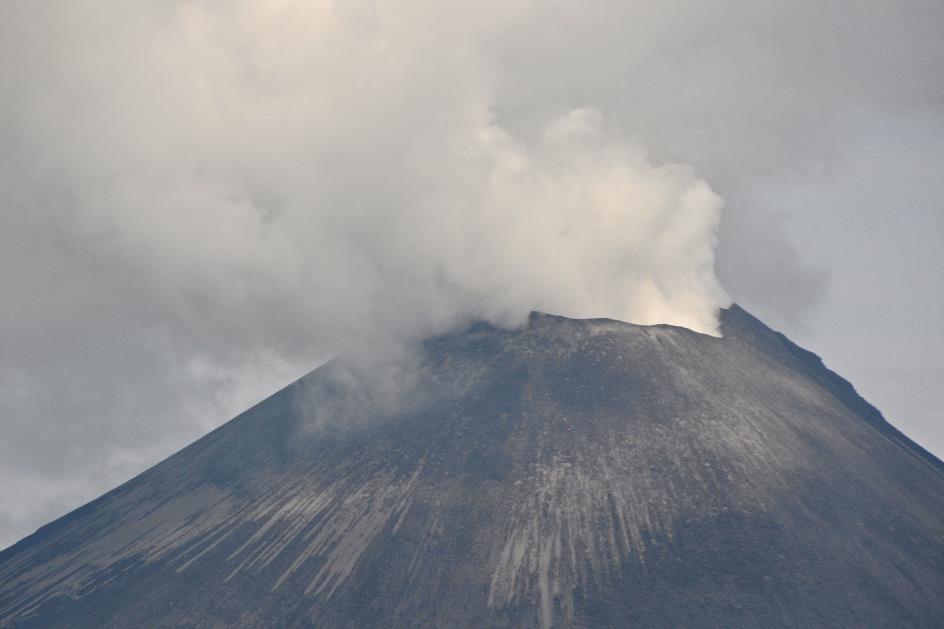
<point x="571" y="473"/>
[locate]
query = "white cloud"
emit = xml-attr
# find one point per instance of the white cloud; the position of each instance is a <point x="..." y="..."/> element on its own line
<point x="200" y="194"/>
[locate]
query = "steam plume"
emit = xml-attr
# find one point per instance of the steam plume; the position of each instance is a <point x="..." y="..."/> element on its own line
<point x="332" y="169"/>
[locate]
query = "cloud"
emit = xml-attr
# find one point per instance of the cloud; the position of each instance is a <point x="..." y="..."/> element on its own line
<point x="381" y="195"/>
<point x="201" y="201"/>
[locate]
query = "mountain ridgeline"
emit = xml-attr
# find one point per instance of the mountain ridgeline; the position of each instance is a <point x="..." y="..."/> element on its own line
<point x="571" y="473"/>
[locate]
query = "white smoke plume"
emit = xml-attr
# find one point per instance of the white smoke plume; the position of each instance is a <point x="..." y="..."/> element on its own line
<point x="200" y="201"/>
<point x="339" y="169"/>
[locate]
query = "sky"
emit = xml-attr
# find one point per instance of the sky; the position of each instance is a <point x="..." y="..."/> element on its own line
<point x="201" y="201"/>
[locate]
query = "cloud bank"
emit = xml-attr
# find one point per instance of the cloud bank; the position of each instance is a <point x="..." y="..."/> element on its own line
<point x="342" y="166"/>
<point x="201" y="201"/>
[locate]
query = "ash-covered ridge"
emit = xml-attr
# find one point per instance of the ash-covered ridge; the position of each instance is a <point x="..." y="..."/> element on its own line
<point x="567" y="474"/>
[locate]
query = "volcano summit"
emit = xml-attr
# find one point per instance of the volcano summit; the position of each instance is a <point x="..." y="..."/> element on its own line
<point x="572" y="473"/>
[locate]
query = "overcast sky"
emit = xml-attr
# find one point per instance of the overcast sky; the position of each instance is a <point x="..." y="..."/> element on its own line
<point x="201" y="201"/>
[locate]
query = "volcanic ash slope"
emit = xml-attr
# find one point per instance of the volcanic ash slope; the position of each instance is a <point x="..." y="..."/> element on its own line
<point x="567" y="474"/>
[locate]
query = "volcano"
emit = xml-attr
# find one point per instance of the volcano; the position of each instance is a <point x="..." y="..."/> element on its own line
<point x="570" y="473"/>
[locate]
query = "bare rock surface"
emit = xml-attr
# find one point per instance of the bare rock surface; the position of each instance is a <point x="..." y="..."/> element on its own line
<point x="567" y="474"/>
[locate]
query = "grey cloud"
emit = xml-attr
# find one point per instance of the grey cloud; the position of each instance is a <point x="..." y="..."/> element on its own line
<point x="201" y="201"/>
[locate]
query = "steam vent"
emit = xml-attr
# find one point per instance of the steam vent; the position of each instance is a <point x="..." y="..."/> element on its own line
<point x="568" y="474"/>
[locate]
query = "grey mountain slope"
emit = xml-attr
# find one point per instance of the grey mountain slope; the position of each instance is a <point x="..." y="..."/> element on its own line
<point x="569" y="474"/>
